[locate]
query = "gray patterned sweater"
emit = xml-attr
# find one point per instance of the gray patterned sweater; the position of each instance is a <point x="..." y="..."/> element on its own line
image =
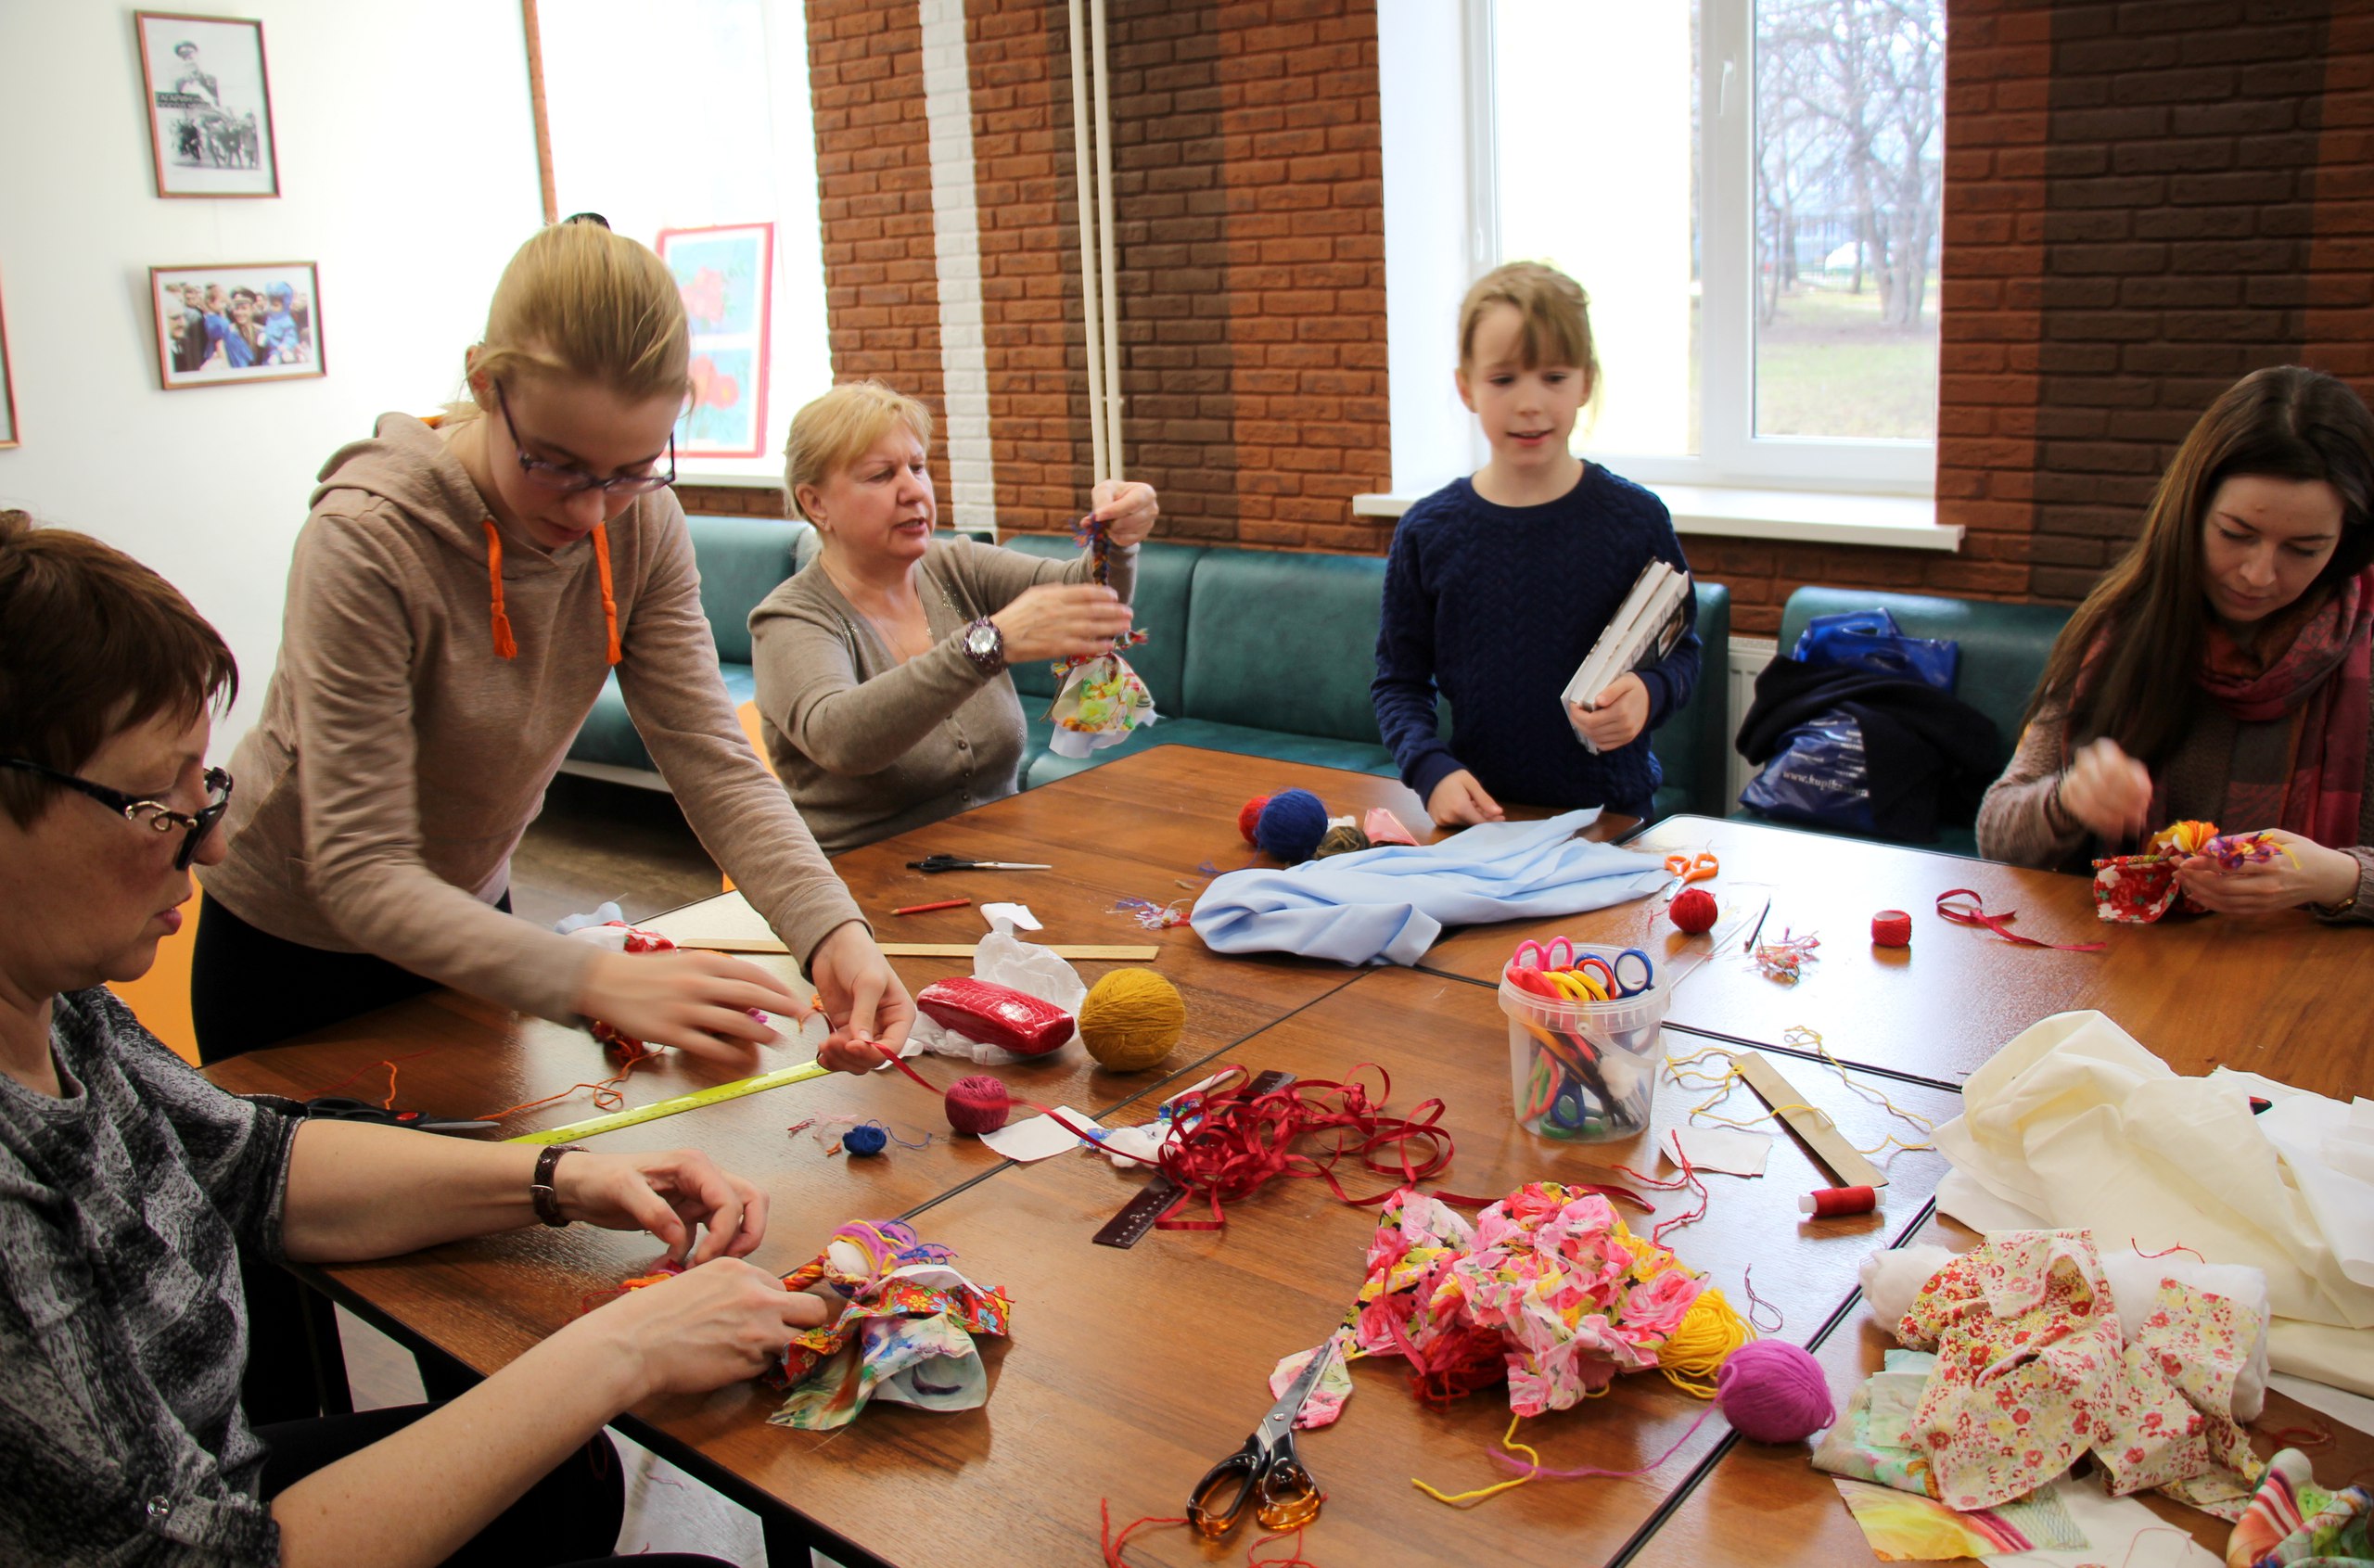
<point x="122" y="1328"/>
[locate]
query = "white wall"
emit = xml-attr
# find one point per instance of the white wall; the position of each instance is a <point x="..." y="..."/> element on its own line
<point x="407" y="171"/>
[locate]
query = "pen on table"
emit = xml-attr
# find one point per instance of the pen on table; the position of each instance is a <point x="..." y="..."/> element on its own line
<point x="1751" y="936"/>
<point x="926" y="909"/>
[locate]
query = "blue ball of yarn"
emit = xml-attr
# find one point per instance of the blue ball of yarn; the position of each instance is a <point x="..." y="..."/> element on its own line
<point x="867" y="1138"/>
<point x="1291" y="825"/>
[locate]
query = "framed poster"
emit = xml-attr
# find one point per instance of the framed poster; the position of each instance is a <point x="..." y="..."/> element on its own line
<point x="7" y="385"/>
<point x="209" y="104"/>
<point x="726" y="275"/>
<point x="226" y="322"/>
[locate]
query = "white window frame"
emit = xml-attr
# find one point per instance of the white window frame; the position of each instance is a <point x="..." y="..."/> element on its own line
<point x="1737" y="484"/>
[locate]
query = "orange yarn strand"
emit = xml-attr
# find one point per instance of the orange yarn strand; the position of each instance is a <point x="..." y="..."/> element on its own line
<point x="610" y="599"/>
<point x="505" y="645"/>
<point x="606" y="1097"/>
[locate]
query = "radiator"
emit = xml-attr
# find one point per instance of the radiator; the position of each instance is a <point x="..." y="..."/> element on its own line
<point x="1749" y="656"/>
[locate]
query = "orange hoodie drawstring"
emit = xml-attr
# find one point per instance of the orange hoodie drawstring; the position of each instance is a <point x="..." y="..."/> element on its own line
<point x="506" y="645"/>
<point x="609" y="601"/>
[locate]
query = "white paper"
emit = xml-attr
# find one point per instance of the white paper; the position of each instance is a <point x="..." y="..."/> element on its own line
<point x="1016" y="915"/>
<point x="1035" y="1138"/>
<point x="1729" y="1150"/>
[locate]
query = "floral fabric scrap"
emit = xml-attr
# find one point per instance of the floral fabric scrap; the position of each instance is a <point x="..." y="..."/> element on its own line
<point x="904" y="1332"/>
<point x="2033" y="1371"/>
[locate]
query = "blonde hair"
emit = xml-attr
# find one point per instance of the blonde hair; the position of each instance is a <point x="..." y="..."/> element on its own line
<point x="578" y="300"/>
<point x="1555" y="312"/>
<point x="836" y="430"/>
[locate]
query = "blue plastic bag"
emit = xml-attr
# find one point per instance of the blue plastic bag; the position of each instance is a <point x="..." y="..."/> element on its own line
<point x="1871" y="640"/>
<point x="1819" y="777"/>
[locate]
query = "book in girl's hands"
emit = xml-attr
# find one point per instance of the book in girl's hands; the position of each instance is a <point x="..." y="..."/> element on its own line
<point x="1645" y="628"/>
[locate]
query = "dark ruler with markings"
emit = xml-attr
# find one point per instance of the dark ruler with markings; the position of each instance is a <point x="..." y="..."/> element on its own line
<point x="1137" y="1216"/>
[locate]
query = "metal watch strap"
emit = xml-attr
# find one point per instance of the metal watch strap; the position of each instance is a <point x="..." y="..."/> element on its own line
<point x="541" y="1191"/>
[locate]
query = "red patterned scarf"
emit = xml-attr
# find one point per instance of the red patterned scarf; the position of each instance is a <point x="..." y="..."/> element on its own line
<point x="2312" y="782"/>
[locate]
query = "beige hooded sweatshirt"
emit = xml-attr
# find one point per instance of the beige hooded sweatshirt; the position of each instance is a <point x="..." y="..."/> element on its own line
<point x="401" y="756"/>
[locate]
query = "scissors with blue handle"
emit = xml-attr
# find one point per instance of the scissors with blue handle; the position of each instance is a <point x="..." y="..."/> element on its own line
<point x="1621" y="986"/>
<point x="338" y="1108"/>
<point x="1265" y="1474"/>
<point x="932" y="863"/>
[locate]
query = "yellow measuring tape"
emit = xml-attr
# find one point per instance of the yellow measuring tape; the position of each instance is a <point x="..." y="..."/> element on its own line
<point x="693" y="1102"/>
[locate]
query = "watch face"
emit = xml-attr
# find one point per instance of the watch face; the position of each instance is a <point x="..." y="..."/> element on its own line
<point x="981" y="641"/>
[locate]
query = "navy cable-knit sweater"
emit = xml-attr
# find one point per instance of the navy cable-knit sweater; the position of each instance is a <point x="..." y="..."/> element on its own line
<point x="1497" y="606"/>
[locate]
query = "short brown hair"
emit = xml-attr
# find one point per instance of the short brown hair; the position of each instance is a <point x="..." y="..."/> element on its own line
<point x="837" y="429"/>
<point x="1555" y="311"/>
<point x="92" y="642"/>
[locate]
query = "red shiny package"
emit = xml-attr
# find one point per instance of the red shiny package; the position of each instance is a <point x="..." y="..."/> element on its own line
<point x="990" y="1013"/>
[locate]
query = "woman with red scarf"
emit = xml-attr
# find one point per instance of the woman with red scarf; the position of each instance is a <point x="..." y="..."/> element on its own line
<point x="2220" y="670"/>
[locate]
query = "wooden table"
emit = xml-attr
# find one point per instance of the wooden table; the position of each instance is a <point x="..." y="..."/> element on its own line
<point x="2282" y="995"/>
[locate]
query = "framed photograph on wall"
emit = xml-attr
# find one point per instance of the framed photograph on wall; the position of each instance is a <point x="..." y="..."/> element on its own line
<point x="209" y="104"/>
<point x="726" y="275"/>
<point x="7" y="385"/>
<point x="218" y="324"/>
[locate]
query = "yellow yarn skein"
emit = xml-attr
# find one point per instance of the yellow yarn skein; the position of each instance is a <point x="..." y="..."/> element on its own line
<point x="1699" y="1344"/>
<point x="1131" y="1019"/>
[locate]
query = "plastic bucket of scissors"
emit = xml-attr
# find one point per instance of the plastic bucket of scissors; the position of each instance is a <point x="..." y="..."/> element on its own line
<point x="1582" y="1070"/>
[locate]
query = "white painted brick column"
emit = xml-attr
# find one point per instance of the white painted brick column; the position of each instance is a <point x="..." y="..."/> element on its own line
<point x="964" y="358"/>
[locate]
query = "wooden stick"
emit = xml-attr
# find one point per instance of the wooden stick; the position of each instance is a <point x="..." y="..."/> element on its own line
<point x="918" y="950"/>
<point x="1845" y="1162"/>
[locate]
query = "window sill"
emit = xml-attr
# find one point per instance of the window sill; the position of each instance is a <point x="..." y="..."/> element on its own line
<point x="1886" y="522"/>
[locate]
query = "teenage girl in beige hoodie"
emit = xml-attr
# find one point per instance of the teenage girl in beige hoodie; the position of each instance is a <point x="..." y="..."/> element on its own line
<point x="457" y="598"/>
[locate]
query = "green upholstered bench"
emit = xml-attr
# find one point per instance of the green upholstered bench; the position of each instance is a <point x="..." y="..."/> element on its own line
<point x="742" y="560"/>
<point x="2003" y="651"/>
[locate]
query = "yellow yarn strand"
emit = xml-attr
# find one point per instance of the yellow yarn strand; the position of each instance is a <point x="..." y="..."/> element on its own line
<point x="1687" y="1072"/>
<point x="1508" y="1442"/>
<point x="1706" y="1335"/>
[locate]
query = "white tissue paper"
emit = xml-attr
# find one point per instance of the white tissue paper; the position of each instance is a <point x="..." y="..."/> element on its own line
<point x="1892" y="1276"/>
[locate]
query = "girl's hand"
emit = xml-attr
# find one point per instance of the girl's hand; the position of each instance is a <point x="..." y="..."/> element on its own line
<point x="2320" y="876"/>
<point x="861" y="998"/>
<point x="1127" y="511"/>
<point x="671" y="1193"/>
<point x="717" y="1323"/>
<point x="2107" y="791"/>
<point x="695" y="1001"/>
<point x="1060" y="620"/>
<point x="1620" y="716"/>
<point x="1459" y="800"/>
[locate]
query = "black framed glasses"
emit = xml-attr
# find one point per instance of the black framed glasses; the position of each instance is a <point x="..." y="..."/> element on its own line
<point x="159" y="817"/>
<point x="563" y="480"/>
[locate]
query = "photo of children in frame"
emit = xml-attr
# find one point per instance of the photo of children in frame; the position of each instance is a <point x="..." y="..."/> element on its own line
<point x="216" y="325"/>
<point x="7" y="385"/>
<point x="210" y="106"/>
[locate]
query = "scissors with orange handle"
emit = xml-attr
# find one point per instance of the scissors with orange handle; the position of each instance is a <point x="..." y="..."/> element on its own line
<point x="1265" y="1475"/>
<point x="1687" y="868"/>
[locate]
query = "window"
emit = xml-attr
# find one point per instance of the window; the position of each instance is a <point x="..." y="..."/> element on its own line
<point x="1750" y="191"/>
<point x="666" y="118"/>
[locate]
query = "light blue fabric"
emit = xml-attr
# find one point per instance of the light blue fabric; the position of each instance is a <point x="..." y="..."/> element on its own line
<point x="1388" y="905"/>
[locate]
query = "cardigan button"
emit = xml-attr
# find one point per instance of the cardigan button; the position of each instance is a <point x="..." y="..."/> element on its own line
<point x="160" y="1508"/>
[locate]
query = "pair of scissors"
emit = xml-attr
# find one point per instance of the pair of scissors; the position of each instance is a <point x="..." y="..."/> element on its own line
<point x="1265" y="1474"/>
<point x="1687" y="868"/>
<point x="935" y="863"/>
<point x="1558" y="954"/>
<point x="338" y="1108"/>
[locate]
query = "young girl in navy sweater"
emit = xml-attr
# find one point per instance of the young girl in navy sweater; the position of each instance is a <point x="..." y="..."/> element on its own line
<point x="1499" y="585"/>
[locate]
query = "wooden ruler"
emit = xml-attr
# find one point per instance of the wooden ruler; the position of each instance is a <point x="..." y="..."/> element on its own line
<point x="693" y="1102"/>
<point x="918" y="950"/>
<point x="1821" y="1135"/>
<point x="1137" y="1217"/>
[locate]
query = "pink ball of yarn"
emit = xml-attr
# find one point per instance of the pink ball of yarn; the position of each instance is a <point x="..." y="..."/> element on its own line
<point x="1693" y="909"/>
<point x="978" y="1105"/>
<point x="1774" y="1392"/>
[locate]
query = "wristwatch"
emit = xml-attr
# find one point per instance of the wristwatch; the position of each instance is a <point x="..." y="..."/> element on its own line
<point x="541" y="1191"/>
<point x="985" y="646"/>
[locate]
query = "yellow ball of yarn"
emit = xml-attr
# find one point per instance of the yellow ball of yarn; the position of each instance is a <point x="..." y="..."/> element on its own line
<point x="1700" y="1344"/>
<point x="1131" y="1019"/>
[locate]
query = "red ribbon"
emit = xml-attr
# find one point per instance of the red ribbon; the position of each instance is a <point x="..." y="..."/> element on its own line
<point x="2001" y="923"/>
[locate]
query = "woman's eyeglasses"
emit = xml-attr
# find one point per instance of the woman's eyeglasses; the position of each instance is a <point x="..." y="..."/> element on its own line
<point x="565" y="480"/>
<point x="159" y="817"/>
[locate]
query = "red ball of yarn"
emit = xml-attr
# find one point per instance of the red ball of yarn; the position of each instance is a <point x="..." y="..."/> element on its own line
<point x="1249" y="815"/>
<point x="1891" y="928"/>
<point x="978" y="1105"/>
<point x="1694" y="910"/>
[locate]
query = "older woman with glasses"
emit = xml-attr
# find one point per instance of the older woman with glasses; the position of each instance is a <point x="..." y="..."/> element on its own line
<point x="457" y="599"/>
<point x="130" y="1186"/>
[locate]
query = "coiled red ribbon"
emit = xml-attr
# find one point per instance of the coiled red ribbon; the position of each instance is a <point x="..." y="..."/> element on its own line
<point x="1975" y="915"/>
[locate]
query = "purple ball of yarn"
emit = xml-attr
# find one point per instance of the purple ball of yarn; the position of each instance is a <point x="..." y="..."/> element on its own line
<point x="1774" y="1392"/>
<point x="1291" y="825"/>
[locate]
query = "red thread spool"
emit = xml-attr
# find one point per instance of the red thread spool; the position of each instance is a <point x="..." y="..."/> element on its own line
<point x="978" y="1105"/>
<point x="1249" y="814"/>
<point x="1891" y="928"/>
<point x="1829" y="1203"/>
<point x="1695" y="911"/>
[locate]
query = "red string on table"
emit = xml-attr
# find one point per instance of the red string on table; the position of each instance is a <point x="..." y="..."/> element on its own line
<point x="1975" y="915"/>
<point x="1112" y="1544"/>
<point x="2135" y="1247"/>
<point x="1689" y="1180"/>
